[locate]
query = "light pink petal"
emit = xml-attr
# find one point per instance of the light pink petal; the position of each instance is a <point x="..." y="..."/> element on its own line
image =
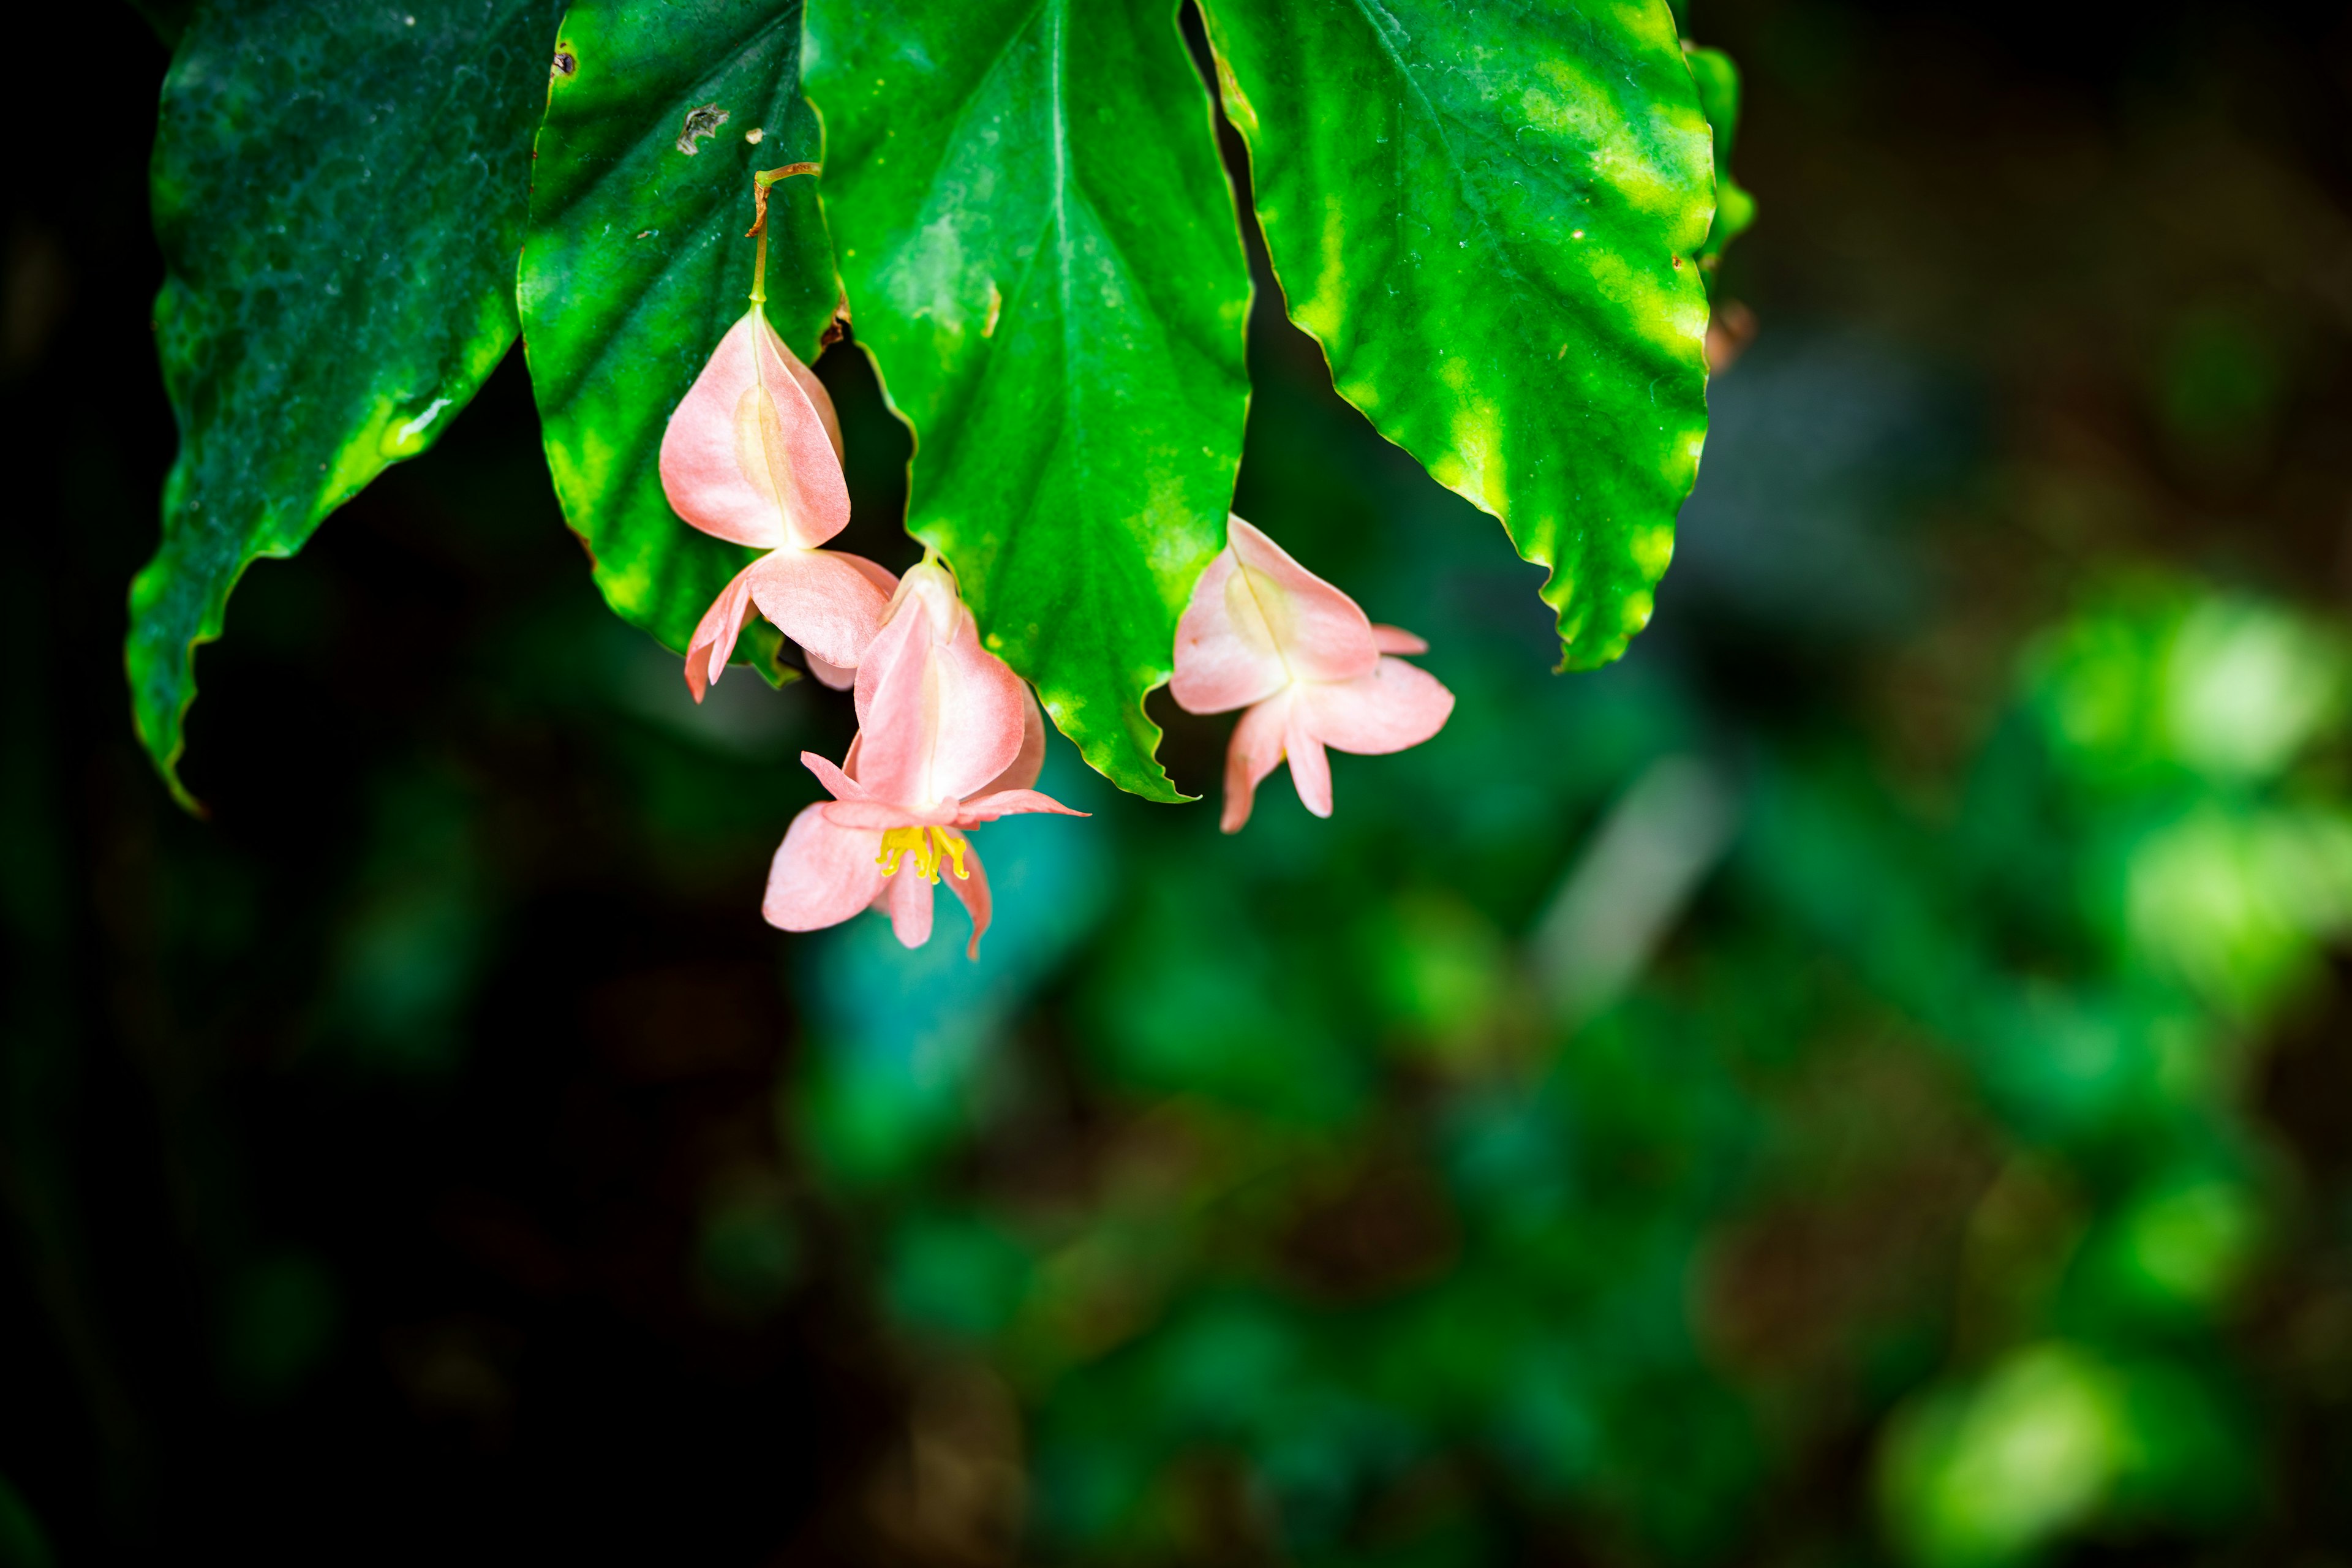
<point x="819" y="399"/>
<point x="1322" y="632"/>
<point x="747" y="455"/>
<point x="831" y="676"/>
<point x="874" y="572"/>
<point x="1030" y="760"/>
<point x="836" y="781"/>
<point x="842" y="677"/>
<point x="972" y="888"/>
<point x="1010" y="803"/>
<point x="881" y="814"/>
<point x="1310" y="768"/>
<point x="1225" y="653"/>
<point x="1396" y="706"/>
<point x="895" y="653"/>
<point x="937" y="722"/>
<point x="823" y="874"/>
<point x="908" y="898"/>
<point x="1396" y="639"/>
<point x="924" y="608"/>
<point x="984" y="715"/>
<point x="714" y="637"/>
<point x="849" y="761"/>
<point x="1255" y="750"/>
<point x="931" y="586"/>
<point x="819" y="600"/>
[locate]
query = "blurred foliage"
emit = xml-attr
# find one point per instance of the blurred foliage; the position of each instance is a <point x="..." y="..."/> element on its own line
<point x="1862" y="1082"/>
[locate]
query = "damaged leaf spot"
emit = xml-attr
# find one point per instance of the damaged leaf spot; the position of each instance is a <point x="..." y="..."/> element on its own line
<point x="565" y="63"/>
<point x="701" y="122"/>
<point x="838" y="327"/>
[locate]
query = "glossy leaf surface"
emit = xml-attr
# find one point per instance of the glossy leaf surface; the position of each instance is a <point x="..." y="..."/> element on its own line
<point x="339" y="193"/>
<point x="1041" y="252"/>
<point x="1489" y="216"/>
<point x="636" y="265"/>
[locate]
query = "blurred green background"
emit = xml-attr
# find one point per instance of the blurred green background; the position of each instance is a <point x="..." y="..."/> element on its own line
<point x="1865" y="1080"/>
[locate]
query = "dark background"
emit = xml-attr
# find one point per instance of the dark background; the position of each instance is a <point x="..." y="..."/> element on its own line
<point x="433" y="1155"/>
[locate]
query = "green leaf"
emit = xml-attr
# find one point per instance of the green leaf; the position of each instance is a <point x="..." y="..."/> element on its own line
<point x="1718" y="80"/>
<point x="1041" y="255"/>
<point x="636" y="264"/>
<point x="1489" y="216"/>
<point x="338" y="195"/>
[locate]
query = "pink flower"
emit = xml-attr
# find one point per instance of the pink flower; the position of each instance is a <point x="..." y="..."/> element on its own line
<point x="1263" y="632"/>
<point x="949" y="737"/>
<point x="753" y="455"/>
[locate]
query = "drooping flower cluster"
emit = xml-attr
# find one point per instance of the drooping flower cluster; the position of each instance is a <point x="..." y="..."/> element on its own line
<point x="753" y="456"/>
<point x="1264" y="634"/>
<point x="948" y="737"/>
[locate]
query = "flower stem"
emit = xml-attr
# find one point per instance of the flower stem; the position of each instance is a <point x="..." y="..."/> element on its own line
<point x="761" y="180"/>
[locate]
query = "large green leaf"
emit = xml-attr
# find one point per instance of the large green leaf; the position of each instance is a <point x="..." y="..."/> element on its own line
<point x="1488" y="214"/>
<point x="636" y="265"/>
<point x="1041" y="252"/>
<point x="339" y="193"/>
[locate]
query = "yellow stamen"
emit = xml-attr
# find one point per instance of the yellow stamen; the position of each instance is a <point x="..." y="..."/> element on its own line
<point x="931" y="847"/>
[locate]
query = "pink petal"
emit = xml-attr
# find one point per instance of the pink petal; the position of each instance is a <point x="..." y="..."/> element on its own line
<point x="936" y="720"/>
<point x="1255" y="750"/>
<point x="908" y="898"/>
<point x="1225" y="652"/>
<point x="842" y="677"/>
<point x="869" y="813"/>
<point x="1010" y="803"/>
<point x="929" y="584"/>
<point x="715" y="635"/>
<point x="1396" y="639"/>
<point x="1310" y="768"/>
<point x="748" y="456"/>
<point x="1396" y="706"/>
<point x="819" y="399"/>
<point x="819" y="600"/>
<point x="1322" y="632"/>
<point x="874" y="572"/>
<point x="972" y="890"/>
<point x="838" y="781"/>
<point x="1030" y="760"/>
<point x="822" y="875"/>
<point x="831" y="676"/>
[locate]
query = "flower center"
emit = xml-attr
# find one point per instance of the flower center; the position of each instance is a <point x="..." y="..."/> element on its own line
<point x="930" y="847"/>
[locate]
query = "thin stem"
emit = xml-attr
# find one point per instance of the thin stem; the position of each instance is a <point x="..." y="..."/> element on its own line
<point x="761" y="180"/>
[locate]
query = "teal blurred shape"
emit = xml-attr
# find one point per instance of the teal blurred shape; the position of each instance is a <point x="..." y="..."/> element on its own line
<point x="900" y="1039"/>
